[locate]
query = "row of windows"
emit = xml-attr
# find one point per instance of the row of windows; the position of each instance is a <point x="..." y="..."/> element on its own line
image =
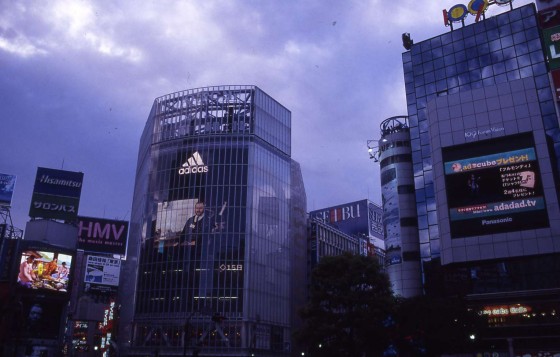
<point x="484" y="66"/>
<point x="395" y="159"/>
<point x="228" y="334"/>
<point x="394" y="144"/>
<point x="484" y="54"/>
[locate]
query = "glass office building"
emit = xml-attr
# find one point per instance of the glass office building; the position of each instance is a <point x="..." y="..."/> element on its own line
<point x="484" y="142"/>
<point x="218" y="219"/>
<point x="496" y="50"/>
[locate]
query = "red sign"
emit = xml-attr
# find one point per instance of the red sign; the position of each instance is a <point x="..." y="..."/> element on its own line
<point x="556" y="80"/>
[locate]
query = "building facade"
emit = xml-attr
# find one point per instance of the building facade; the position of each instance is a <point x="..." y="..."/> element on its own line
<point x="350" y="227"/>
<point x="484" y="139"/>
<point x="400" y="224"/>
<point x="218" y="221"/>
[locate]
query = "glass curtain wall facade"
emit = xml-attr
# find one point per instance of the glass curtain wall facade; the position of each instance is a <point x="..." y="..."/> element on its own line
<point x="212" y="216"/>
<point x="496" y="50"/>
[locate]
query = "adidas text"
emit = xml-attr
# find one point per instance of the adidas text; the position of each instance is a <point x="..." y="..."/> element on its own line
<point x="193" y="170"/>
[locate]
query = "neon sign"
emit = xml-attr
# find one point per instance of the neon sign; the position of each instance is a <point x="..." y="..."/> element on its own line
<point x="459" y="12"/>
<point x="505" y="310"/>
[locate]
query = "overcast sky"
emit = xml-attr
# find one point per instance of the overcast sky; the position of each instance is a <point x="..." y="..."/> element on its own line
<point x="78" y="79"/>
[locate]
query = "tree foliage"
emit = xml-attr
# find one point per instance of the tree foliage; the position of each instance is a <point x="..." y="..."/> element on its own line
<point x="350" y="298"/>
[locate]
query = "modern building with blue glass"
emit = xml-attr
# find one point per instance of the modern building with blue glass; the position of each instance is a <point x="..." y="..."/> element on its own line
<point x="484" y="140"/>
<point x="218" y="228"/>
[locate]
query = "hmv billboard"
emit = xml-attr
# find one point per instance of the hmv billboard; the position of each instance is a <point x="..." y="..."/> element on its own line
<point x="102" y="235"/>
<point x="360" y="218"/>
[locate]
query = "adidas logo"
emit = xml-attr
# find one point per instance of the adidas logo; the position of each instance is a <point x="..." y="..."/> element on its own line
<point x="193" y="165"/>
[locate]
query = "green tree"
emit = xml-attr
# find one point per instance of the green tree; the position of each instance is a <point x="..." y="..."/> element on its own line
<point x="350" y="298"/>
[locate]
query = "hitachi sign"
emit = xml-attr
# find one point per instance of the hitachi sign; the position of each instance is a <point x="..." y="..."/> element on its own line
<point x="111" y="231"/>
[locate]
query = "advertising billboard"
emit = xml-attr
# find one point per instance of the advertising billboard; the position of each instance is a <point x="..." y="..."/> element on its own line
<point x="44" y="270"/>
<point x="56" y="194"/>
<point x="551" y="37"/>
<point x="102" y="270"/>
<point x="7" y="184"/>
<point x="360" y="218"/>
<point x="556" y="81"/>
<point x="102" y="235"/>
<point x="42" y="319"/>
<point x="200" y="221"/>
<point x="494" y="186"/>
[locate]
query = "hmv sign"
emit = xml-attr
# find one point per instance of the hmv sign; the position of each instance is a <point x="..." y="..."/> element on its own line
<point x="102" y="235"/>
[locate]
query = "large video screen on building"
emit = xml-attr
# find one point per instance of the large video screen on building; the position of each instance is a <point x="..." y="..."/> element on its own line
<point x="44" y="270"/>
<point x="494" y="186"/>
<point x="40" y="319"/>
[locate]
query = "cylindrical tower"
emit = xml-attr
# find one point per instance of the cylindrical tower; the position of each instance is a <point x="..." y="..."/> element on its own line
<point x="399" y="207"/>
<point x="211" y="221"/>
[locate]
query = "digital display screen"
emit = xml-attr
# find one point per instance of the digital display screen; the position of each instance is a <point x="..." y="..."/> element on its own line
<point x="494" y="186"/>
<point x="44" y="271"/>
<point x="41" y="318"/>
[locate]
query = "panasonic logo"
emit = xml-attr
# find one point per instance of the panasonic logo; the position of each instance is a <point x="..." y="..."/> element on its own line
<point x="193" y="165"/>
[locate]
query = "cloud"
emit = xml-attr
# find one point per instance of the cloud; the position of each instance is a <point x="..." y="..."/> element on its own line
<point x="81" y="76"/>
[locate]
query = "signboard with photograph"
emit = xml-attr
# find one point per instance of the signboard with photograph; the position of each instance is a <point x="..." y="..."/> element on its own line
<point x="42" y="319"/>
<point x="102" y="270"/>
<point x="200" y="222"/>
<point x="44" y="270"/>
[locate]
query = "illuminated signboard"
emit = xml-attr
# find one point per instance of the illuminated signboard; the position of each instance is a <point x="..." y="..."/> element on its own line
<point x="7" y="184"/>
<point x="360" y="218"/>
<point x="505" y="310"/>
<point x="551" y="37"/>
<point x="549" y="18"/>
<point x="44" y="270"/>
<point x="56" y="194"/>
<point x="494" y="186"/>
<point x="194" y="164"/>
<point x="40" y="319"/>
<point x="556" y="81"/>
<point x="102" y="235"/>
<point x="102" y="270"/>
<point x="106" y="327"/>
<point x="459" y="12"/>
